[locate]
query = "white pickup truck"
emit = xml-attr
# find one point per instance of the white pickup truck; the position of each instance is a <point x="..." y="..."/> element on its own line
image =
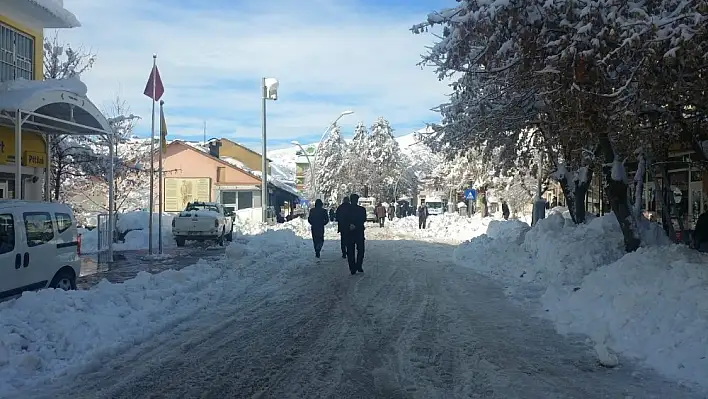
<point x="203" y="221"/>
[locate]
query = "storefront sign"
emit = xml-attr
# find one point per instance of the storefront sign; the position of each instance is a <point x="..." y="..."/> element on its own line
<point x="34" y="159"/>
<point x="181" y="191"/>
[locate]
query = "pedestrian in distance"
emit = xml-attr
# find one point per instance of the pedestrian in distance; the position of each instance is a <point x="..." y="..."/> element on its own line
<point x="356" y="219"/>
<point x="505" y="210"/>
<point x="391" y="212"/>
<point x="342" y="225"/>
<point x="318" y="219"/>
<point x="380" y="214"/>
<point x="422" y="216"/>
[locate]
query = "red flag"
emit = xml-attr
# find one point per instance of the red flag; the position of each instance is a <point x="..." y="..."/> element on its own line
<point x="154" y="83"/>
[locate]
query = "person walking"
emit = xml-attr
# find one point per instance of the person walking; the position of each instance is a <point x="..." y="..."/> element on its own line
<point x="318" y="218"/>
<point x="422" y="216"/>
<point x="381" y="214"/>
<point x="391" y="212"/>
<point x="356" y="219"/>
<point x="505" y="210"/>
<point x="342" y="225"/>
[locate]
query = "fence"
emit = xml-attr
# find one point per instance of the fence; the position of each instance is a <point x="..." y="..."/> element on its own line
<point x="103" y="234"/>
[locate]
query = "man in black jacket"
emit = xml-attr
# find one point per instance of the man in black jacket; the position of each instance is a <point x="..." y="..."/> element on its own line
<point x="342" y="225"/>
<point x="318" y="219"/>
<point x="356" y="219"/>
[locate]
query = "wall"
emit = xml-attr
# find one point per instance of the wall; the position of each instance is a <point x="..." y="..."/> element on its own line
<point x="183" y="161"/>
<point x="249" y="158"/>
<point x="34" y="149"/>
<point x="24" y="23"/>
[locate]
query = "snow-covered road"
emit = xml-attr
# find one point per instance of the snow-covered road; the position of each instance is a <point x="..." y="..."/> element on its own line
<point x="413" y="326"/>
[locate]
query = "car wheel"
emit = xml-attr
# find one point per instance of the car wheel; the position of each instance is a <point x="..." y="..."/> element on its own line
<point x="65" y="280"/>
<point x="221" y="239"/>
<point x="180" y="242"/>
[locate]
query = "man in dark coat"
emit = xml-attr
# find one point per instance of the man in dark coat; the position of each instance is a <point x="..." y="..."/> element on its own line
<point x="700" y="233"/>
<point x="342" y="225"/>
<point x="356" y="219"/>
<point x="318" y="219"/>
<point x="422" y="216"/>
<point x="391" y="212"/>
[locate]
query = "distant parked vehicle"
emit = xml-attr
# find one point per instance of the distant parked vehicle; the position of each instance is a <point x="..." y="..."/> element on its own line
<point x="435" y="206"/>
<point x="203" y="221"/>
<point x="39" y="247"/>
<point x="369" y="203"/>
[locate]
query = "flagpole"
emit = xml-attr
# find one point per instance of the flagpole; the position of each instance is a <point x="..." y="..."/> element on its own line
<point x="159" y="184"/>
<point x="152" y="155"/>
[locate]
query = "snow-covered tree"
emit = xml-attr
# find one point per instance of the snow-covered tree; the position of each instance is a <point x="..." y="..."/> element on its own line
<point x="384" y="158"/>
<point x="61" y="61"/>
<point x="570" y="74"/>
<point x="356" y="169"/>
<point x="131" y="162"/>
<point x="330" y="165"/>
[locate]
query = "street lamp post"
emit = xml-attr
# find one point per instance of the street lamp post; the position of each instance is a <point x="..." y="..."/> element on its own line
<point x="314" y="164"/>
<point x="312" y="171"/>
<point x="269" y="91"/>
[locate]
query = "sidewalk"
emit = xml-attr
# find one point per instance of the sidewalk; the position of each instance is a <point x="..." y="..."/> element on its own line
<point x="128" y="264"/>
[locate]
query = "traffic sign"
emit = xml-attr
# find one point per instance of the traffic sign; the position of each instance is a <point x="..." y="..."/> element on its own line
<point x="470" y="194"/>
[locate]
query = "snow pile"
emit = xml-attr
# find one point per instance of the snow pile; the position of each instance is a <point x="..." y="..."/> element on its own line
<point x="133" y="227"/>
<point x="48" y="333"/>
<point x="446" y="227"/>
<point x="651" y="304"/>
<point x="299" y="226"/>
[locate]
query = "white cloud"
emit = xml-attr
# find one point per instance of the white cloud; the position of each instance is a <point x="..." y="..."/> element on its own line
<point x="328" y="57"/>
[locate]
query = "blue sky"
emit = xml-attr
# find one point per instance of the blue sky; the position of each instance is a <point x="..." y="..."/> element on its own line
<point x="329" y="56"/>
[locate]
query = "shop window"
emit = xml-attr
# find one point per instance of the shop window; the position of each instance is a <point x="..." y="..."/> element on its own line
<point x="38" y="226"/>
<point x="7" y="233"/>
<point x="16" y="54"/>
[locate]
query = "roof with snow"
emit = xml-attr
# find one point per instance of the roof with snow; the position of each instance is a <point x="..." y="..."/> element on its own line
<point x="51" y="106"/>
<point x="51" y="13"/>
<point x="236" y="164"/>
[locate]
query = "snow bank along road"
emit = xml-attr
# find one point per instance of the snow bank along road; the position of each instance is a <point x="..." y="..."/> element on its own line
<point x="413" y="326"/>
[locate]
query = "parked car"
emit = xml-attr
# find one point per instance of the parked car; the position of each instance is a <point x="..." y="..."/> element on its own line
<point x="369" y="203"/>
<point x="39" y="247"/>
<point x="203" y="221"/>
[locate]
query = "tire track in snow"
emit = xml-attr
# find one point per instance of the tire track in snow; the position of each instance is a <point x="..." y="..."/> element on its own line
<point x="413" y="326"/>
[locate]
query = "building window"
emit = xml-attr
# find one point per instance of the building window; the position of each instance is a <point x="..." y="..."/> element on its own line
<point x="16" y="54"/>
<point x="245" y="199"/>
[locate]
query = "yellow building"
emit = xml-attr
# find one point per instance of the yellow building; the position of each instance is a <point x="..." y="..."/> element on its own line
<point x="227" y="148"/>
<point x="31" y="109"/>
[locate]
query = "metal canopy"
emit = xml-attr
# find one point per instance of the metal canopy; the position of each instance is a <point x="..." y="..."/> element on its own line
<point x="54" y="110"/>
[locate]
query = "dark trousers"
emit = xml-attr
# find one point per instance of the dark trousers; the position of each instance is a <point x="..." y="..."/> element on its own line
<point x="343" y="242"/>
<point x="382" y="221"/>
<point x="421" y="223"/>
<point x="318" y="241"/>
<point x="355" y="243"/>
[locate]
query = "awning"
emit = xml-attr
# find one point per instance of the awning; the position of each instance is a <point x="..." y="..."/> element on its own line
<point x="51" y="107"/>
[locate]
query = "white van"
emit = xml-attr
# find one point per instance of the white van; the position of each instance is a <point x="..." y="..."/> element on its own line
<point x="39" y="247"/>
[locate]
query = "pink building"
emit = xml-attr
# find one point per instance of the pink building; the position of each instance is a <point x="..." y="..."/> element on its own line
<point x="193" y="174"/>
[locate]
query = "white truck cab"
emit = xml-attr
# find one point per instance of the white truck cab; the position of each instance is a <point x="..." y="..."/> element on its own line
<point x="39" y="247"/>
<point x="435" y="205"/>
<point x="202" y="221"/>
